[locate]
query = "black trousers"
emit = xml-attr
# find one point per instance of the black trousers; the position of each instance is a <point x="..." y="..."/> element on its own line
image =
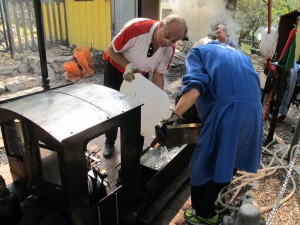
<point x="113" y="78"/>
<point x="204" y="196"/>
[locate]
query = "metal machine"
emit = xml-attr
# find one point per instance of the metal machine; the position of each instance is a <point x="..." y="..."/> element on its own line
<point x="277" y="76"/>
<point x="46" y="136"/>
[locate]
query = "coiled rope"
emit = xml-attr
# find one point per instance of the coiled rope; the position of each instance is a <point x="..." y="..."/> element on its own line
<point x="277" y="162"/>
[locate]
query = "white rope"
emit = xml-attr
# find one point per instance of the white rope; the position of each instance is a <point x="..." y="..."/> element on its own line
<point x="276" y="163"/>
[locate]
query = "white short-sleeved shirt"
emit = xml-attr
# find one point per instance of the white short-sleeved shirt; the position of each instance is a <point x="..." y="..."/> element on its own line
<point x="133" y="42"/>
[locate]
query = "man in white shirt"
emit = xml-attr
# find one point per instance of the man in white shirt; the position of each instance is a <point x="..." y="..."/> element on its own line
<point x="144" y="46"/>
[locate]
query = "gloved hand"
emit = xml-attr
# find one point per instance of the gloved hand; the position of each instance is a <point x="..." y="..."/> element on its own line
<point x="161" y="127"/>
<point x="128" y="75"/>
<point x="173" y="118"/>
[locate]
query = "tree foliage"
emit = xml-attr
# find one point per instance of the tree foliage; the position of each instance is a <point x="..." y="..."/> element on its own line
<point x="253" y="14"/>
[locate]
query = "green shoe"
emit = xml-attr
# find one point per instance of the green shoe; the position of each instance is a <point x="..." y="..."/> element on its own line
<point x="192" y="219"/>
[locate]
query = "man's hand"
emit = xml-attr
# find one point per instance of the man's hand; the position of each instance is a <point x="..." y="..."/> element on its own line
<point x="128" y="75"/>
<point x="173" y="118"/>
<point x="161" y="127"/>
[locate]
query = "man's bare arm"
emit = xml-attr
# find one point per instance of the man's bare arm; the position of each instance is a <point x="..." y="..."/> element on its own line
<point x="186" y="101"/>
<point x="117" y="57"/>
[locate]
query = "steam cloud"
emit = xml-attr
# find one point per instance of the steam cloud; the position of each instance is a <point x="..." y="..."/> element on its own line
<point x="202" y="15"/>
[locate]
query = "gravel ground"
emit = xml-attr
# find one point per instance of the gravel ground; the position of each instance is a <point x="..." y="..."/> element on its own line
<point x="264" y="191"/>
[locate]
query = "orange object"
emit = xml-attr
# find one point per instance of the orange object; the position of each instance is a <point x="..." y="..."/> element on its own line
<point x="84" y="59"/>
<point x="73" y="72"/>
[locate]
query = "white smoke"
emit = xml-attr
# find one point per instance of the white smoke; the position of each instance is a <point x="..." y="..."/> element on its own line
<point x="202" y="15"/>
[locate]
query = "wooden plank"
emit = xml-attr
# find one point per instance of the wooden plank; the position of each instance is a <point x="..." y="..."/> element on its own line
<point x="6" y="7"/>
<point x="107" y="29"/>
<point x="150" y="9"/>
<point x="173" y="212"/>
<point x="89" y="24"/>
<point x="59" y="19"/>
<point x="47" y="23"/>
<point x="14" y="8"/>
<point x="96" y="24"/>
<point x="70" y="21"/>
<point x="48" y="8"/>
<point x="24" y="24"/>
<point x="82" y="25"/>
<point x="102" y="20"/>
<point x="54" y="20"/>
<point x="76" y="23"/>
<point x="28" y="9"/>
<point x="63" y="17"/>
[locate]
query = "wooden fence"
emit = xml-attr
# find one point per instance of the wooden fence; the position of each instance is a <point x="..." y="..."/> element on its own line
<point x="19" y="24"/>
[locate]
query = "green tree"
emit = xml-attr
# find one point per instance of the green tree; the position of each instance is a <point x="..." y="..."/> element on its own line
<point x="253" y="14"/>
<point x="281" y="7"/>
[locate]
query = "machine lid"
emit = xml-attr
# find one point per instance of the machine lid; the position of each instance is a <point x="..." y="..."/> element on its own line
<point x="68" y="110"/>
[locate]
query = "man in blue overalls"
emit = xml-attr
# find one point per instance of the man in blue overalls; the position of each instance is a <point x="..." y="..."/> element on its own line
<point x="222" y="83"/>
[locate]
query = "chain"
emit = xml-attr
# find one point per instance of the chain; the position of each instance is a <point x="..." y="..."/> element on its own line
<point x="284" y="187"/>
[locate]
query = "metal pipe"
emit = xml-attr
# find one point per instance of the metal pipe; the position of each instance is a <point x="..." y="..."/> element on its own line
<point x="283" y="74"/>
<point x="20" y="134"/>
<point x="295" y="139"/>
<point x="41" y="43"/>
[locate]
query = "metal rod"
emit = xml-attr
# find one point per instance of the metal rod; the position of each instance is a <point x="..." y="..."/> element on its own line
<point x="295" y="139"/>
<point x="24" y="25"/>
<point x="49" y="21"/>
<point x="59" y="20"/>
<point x="15" y="13"/>
<point x="41" y="43"/>
<point x="4" y="30"/>
<point x="33" y="45"/>
<point x="66" y="24"/>
<point x="279" y="95"/>
<point x="269" y="16"/>
<point x="54" y="21"/>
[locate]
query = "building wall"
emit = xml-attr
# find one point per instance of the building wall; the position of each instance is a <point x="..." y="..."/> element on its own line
<point x="165" y="9"/>
<point x="89" y="23"/>
<point x="122" y="11"/>
<point x="125" y="10"/>
<point x="149" y="9"/>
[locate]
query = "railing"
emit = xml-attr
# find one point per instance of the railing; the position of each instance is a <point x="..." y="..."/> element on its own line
<point x="4" y="46"/>
<point x="19" y="24"/>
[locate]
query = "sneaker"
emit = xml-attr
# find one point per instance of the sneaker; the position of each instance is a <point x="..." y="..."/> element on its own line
<point x="192" y="219"/>
<point x="108" y="150"/>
